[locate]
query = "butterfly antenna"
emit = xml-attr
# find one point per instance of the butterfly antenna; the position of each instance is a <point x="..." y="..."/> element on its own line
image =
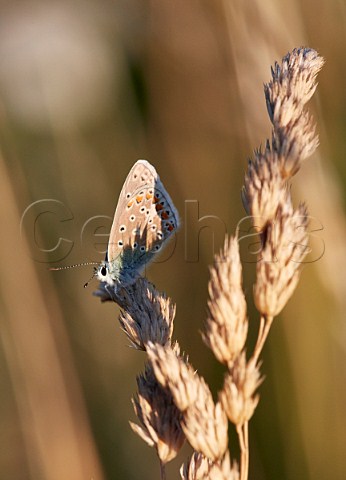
<point x="78" y="265"/>
<point x="73" y="266"/>
<point x="93" y="276"/>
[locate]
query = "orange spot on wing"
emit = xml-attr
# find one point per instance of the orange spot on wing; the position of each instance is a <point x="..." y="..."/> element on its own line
<point x="129" y="205"/>
<point x="139" y="198"/>
<point x="159" y="207"/>
<point x="164" y="215"/>
<point x="170" y="228"/>
<point x="149" y="196"/>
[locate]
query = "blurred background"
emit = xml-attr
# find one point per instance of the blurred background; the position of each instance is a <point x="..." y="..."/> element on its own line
<point x="86" y="89"/>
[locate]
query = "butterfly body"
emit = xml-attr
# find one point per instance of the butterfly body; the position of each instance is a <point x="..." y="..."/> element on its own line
<point x="145" y="218"/>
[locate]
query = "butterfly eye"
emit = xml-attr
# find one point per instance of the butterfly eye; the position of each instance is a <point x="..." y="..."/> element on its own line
<point x="103" y="271"/>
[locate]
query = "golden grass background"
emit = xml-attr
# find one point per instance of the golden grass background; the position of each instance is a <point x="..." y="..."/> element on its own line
<point x="87" y="88"/>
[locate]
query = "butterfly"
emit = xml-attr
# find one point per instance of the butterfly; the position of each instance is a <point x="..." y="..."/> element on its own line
<point x="145" y="218"/>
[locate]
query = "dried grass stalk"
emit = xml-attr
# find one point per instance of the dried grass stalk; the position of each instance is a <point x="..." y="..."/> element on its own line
<point x="266" y="195"/>
<point x="173" y="400"/>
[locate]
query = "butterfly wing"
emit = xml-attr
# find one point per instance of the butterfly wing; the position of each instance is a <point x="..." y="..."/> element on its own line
<point x="144" y="219"/>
